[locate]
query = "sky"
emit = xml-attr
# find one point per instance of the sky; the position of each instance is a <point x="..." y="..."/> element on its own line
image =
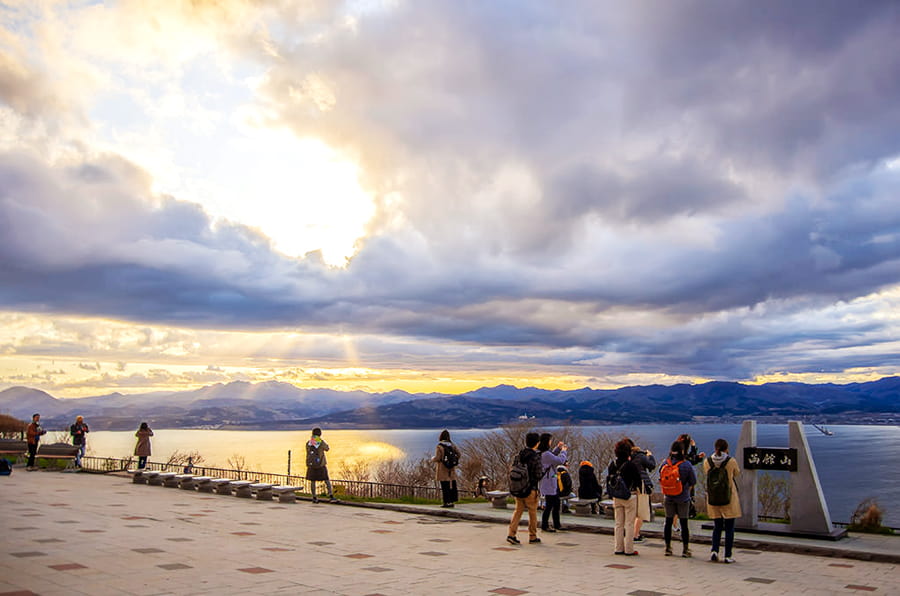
<point x="442" y="195"/>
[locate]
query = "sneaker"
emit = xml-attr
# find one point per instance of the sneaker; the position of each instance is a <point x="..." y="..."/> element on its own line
<point x="560" y="529"/>
<point x="551" y="530"/>
<point x="638" y="538"/>
<point x="668" y="551"/>
<point x="619" y="552"/>
<point x="714" y="556"/>
<point x="332" y="500"/>
<point x="686" y="553"/>
<point x="315" y="499"/>
<point x="633" y="553"/>
<point x="534" y="540"/>
<point x="513" y="540"/>
<point x="728" y="560"/>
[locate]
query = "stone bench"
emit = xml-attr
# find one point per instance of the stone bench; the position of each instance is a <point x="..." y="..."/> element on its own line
<point x="607" y="507"/>
<point x="160" y="478"/>
<point x="285" y="494"/>
<point x="138" y="476"/>
<point x="242" y="488"/>
<point x="185" y="481"/>
<point x="203" y="483"/>
<point x="263" y="491"/>
<point x="583" y="507"/>
<point x="497" y="498"/>
<point x="221" y="486"/>
<point x="170" y="479"/>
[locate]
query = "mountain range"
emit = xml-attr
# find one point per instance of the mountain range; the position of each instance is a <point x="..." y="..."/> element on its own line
<point x="283" y="405"/>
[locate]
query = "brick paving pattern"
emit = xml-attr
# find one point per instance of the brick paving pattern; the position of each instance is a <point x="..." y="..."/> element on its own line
<point x="181" y="554"/>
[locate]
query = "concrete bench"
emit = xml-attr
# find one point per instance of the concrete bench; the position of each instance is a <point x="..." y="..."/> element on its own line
<point x="498" y="498"/>
<point x="221" y="486"/>
<point x="584" y="507"/>
<point x="185" y="481"/>
<point x="152" y="477"/>
<point x="242" y="489"/>
<point x="285" y="494"/>
<point x="203" y="483"/>
<point x="138" y="476"/>
<point x="263" y="491"/>
<point x="166" y="479"/>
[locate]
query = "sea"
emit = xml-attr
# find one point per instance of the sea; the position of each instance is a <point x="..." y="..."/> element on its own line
<point x="855" y="463"/>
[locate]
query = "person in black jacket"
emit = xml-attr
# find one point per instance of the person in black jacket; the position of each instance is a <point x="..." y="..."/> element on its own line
<point x="588" y="485"/>
<point x="625" y="509"/>
<point x="646" y="463"/>
<point x="531" y="458"/>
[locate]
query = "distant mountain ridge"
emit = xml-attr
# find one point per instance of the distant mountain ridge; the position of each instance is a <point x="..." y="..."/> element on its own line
<point x="275" y="404"/>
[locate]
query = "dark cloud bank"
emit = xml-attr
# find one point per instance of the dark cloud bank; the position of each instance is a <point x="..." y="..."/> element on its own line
<point x="569" y="172"/>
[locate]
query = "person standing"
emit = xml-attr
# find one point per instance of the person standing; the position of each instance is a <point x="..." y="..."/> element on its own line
<point x="529" y="458"/>
<point x="33" y="435"/>
<point x="645" y="463"/>
<point x="723" y="505"/>
<point x="677" y="480"/>
<point x="142" y="448"/>
<point x="623" y="471"/>
<point x="78" y="430"/>
<point x="549" y="487"/>
<point x="446" y="458"/>
<point x="317" y="466"/>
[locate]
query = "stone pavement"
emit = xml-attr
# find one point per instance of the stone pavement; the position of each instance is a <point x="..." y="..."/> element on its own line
<point x="71" y="534"/>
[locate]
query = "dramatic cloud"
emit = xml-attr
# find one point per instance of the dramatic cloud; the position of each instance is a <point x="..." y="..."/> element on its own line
<point x="605" y="192"/>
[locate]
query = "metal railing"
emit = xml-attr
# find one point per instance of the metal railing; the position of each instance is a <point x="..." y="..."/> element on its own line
<point x="354" y="488"/>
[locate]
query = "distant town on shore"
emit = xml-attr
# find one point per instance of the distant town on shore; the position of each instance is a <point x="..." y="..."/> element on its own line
<point x="283" y="406"/>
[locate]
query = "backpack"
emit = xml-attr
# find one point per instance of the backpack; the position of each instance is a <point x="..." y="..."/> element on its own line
<point x="615" y="484"/>
<point x="670" y="478"/>
<point x="520" y="478"/>
<point x="563" y="483"/>
<point x="718" y="485"/>
<point x="5" y="467"/>
<point x="451" y="455"/>
<point x="313" y="457"/>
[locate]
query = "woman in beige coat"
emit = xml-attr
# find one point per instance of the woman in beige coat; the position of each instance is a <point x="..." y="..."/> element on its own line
<point x="142" y="449"/>
<point x="723" y="515"/>
<point x="443" y="474"/>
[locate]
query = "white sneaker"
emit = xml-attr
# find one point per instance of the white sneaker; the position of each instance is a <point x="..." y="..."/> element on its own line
<point x="714" y="556"/>
<point x="728" y="560"/>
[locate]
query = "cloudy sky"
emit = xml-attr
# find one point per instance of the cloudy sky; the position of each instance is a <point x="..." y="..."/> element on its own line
<point x="440" y="195"/>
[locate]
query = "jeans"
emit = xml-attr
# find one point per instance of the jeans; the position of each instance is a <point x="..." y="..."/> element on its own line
<point x="530" y="503"/>
<point x="551" y="507"/>
<point x="79" y="454"/>
<point x="142" y="462"/>
<point x="625" y="511"/>
<point x="728" y="525"/>
<point x="327" y="482"/>
<point x="32" y="450"/>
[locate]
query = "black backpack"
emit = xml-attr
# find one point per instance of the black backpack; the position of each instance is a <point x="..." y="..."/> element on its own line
<point x="451" y="455"/>
<point x="615" y="484"/>
<point x="5" y="467"/>
<point x="520" y="481"/>
<point x="313" y="456"/>
<point x="564" y="483"/>
<point x="718" y="485"/>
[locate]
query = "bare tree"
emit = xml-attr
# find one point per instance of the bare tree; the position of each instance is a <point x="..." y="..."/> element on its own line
<point x="237" y="462"/>
<point x="357" y="470"/>
<point x="179" y="459"/>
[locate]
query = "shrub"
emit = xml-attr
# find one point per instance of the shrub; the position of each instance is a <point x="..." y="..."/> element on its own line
<point x="868" y="517"/>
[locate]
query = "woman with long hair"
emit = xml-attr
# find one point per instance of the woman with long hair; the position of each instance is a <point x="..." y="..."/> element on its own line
<point x="142" y="449"/>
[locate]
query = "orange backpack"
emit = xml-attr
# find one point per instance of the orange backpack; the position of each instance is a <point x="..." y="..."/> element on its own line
<point x="670" y="478"/>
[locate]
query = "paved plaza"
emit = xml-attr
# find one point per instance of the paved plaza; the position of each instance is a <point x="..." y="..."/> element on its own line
<point x="69" y="534"/>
